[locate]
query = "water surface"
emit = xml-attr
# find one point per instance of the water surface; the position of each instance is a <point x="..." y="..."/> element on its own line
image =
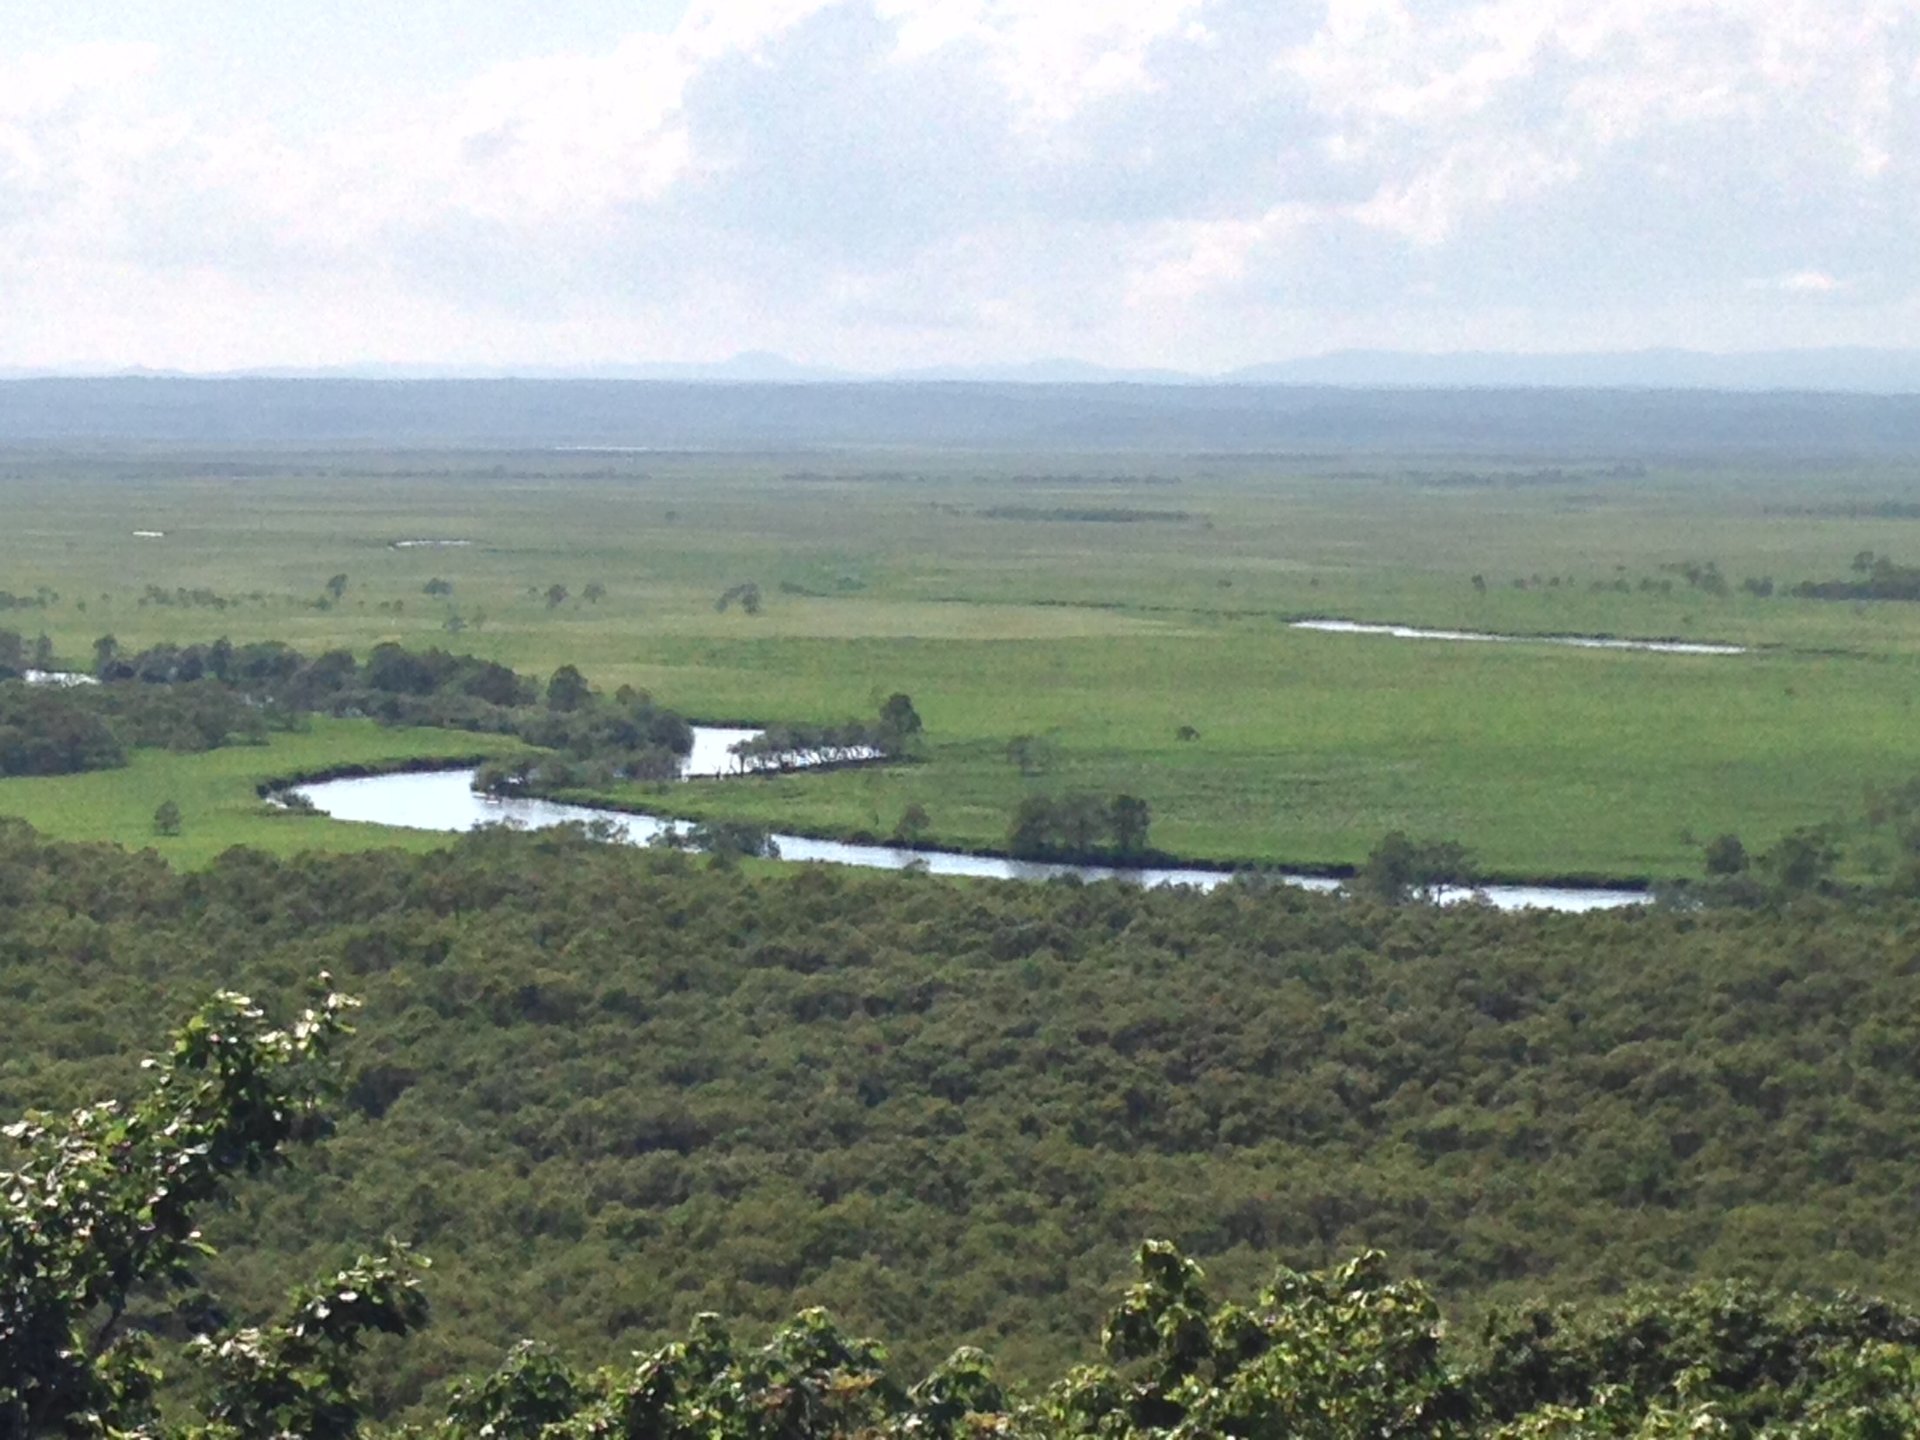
<point x="444" y="800"/>
<point x="1584" y="642"/>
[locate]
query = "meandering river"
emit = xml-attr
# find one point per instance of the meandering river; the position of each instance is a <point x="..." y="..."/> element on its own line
<point x="444" y="800"/>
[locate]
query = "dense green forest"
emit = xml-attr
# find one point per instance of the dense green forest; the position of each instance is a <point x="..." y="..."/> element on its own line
<point x="104" y="1331"/>
<point x="607" y="1091"/>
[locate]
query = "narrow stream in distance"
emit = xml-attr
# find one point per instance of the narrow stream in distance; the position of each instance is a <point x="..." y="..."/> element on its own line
<point x="1488" y="637"/>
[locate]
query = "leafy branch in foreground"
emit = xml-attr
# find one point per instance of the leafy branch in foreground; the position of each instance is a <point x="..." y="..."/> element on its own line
<point x="1344" y="1354"/>
<point x="99" y="1212"/>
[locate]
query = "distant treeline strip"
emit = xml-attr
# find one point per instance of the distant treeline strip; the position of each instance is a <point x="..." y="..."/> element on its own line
<point x="1087" y="515"/>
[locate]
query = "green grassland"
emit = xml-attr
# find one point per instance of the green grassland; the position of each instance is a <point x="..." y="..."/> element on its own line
<point x="218" y="793"/>
<point x="1101" y="602"/>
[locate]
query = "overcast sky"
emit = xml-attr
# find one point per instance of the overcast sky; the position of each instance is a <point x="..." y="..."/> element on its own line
<point x="210" y="184"/>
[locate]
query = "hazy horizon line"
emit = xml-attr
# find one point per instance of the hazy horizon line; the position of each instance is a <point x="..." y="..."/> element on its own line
<point x="1848" y="369"/>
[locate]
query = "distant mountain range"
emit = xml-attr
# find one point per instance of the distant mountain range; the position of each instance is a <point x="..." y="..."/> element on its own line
<point x="1854" y="370"/>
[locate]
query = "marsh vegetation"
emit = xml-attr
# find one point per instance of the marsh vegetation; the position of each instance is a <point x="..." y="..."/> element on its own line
<point x="1100" y="643"/>
<point x="607" y="1090"/>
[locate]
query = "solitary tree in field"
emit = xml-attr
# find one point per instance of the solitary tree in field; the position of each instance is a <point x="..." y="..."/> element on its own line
<point x="1726" y="855"/>
<point x="568" y="689"/>
<point x="556" y="596"/>
<point x="166" y="818"/>
<point x="899" y="721"/>
<point x="1032" y="754"/>
<point x="437" y="586"/>
<point x="595" y="592"/>
<point x="337" y="586"/>
<point x="1129" y="816"/>
<point x="913" y="825"/>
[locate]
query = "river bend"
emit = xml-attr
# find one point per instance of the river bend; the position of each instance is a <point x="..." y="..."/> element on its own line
<point x="444" y="800"/>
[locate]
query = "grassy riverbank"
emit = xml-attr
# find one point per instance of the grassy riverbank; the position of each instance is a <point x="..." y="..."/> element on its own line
<point x="1096" y="603"/>
<point x="218" y="793"/>
<point x="1611" y="764"/>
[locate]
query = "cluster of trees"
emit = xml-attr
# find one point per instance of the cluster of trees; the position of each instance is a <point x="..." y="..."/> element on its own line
<point x="587" y="740"/>
<point x="1087" y="514"/>
<point x="1878" y="577"/>
<point x="264" y="670"/>
<point x="1800" y="862"/>
<point x="1875" y="577"/>
<point x="1400" y="869"/>
<point x="555" y="595"/>
<point x="746" y="595"/>
<point x="51" y="731"/>
<point x="594" y="738"/>
<point x="723" y="841"/>
<point x="1079" y="826"/>
<point x="889" y="735"/>
<point x="185" y="598"/>
<point x="198" y="697"/>
<point x="1704" y="576"/>
<point x="63" y="730"/>
<point x="109" y="1327"/>
<point x="18" y="654"/>
<point x="1869" y="859"/>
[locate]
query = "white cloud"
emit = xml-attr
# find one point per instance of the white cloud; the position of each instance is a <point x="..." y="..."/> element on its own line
<point x="1469" y="179"/>
<point x="46" y="83"/>
<point x="1201" y="181"/>
<point x="1193" y="258"/>
<point x="1053" y="59"/>
<point x="1800" y="282"/>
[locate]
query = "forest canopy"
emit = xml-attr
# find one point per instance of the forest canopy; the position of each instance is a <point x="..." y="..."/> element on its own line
<point x="607" y="1091"/>
<point x="99" y="1252"/>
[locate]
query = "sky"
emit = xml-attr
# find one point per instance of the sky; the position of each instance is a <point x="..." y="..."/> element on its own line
<point x="877" y="184"/>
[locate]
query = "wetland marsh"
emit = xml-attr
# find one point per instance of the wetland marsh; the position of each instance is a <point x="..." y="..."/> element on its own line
<point x="1073" y="647"/>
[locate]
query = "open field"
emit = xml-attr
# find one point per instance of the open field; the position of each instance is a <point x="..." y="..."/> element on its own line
<point x="217" y="793"/>
<point x="1099" y="602"/>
